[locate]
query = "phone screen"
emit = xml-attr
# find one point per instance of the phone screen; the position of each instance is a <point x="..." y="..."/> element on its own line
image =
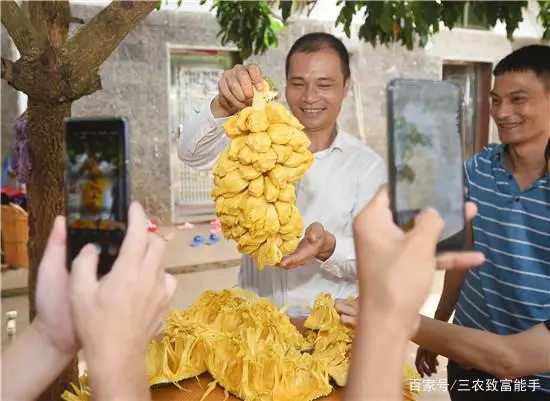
<point x="425" y="153"/>
<point x="96" y="184"/>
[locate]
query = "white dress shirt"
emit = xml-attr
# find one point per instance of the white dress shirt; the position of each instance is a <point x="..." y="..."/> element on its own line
<point x="341" y="181"/>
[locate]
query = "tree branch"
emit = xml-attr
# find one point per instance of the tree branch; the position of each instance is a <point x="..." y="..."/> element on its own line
<point x="95" y="42"/>
<point x="19" y="27"/>
<point x="76" y="20"/>
<point x="8" y="68"/>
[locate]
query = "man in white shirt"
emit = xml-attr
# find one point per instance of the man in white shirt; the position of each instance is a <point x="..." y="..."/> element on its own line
<point x="345" y="176"/>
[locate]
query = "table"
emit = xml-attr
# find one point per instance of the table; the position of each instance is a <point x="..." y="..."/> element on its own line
<point x="194" y="391"/>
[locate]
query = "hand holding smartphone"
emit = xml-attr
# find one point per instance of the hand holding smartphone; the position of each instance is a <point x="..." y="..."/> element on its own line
<point x="425" y="155"/>
<point x="97" y="186"/>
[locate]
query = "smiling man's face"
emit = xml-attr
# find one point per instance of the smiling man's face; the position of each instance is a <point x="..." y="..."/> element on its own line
<point x="520" y="107"/>
<point x="315" y="88"/>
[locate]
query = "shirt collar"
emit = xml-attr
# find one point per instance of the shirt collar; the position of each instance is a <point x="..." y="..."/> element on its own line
<point x="338" y="141"/>
<point x="497" y="156"/>
<point x="500" y="149"/>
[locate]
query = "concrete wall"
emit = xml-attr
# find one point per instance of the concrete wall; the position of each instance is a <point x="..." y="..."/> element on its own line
<point x="135" y="82"/>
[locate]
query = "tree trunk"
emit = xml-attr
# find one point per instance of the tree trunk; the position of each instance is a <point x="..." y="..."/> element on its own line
<point x="45" y="201"/>
<point x="54" y="71"/>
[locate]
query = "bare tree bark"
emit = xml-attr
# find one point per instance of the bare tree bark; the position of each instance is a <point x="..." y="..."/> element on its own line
<point x="24" y="35"/>
<point x="55" y="71"/>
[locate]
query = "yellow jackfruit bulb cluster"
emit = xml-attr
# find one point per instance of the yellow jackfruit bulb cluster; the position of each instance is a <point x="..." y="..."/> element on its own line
<point x="251" y="349"/>
<point x="331" y="342"/>
<point x="254" y="179"/>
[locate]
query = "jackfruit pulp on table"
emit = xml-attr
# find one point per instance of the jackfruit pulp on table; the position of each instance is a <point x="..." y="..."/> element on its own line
<point x="254" y="179"/>
<point x="252" y="350"/>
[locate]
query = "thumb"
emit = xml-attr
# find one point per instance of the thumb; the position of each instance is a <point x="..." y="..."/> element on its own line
<point x="428" y="226"/>
<point x="55" y="253"/>
<point x="84" y="269"/>
<point x="170" y="284"/>
<point x="314" y="232"/>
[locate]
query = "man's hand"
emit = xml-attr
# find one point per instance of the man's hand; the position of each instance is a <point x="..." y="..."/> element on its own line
<point x="348" y="311"/>
<point x="116" y="317"/>
<point x="426" y="362"/>
<point x="236" y="89"/>
<point x="124" y="308"/>
<point x="53" y="312"/>
<point x="395" y="269"/>
<point x="316" y="244"/>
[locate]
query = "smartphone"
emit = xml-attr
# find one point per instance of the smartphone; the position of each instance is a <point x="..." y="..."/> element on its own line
<point x="97" y="186"/>
<point x="425" y="155"/>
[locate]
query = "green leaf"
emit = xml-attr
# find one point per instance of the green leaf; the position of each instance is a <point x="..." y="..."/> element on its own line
<point x="253" y="27"/>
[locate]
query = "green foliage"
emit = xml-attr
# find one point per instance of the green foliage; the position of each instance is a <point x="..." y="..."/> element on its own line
<point x="544" y="18"/>
<point x="253" y="25"/>
<point x="249" y="24"/>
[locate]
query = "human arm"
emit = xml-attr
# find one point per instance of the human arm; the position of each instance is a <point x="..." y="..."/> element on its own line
<point x="377" y="357"/>
<point x="30" y="364"/>
<point x="510" y="356"/>
<point x="390" y="295"/>
<point x="203" y="138"/>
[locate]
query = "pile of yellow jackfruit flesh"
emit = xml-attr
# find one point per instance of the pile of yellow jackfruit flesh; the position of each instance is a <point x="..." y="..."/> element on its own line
<point x="254" y="180"/>
<point x="332" y="343"/>
<point x="251" y="349"/>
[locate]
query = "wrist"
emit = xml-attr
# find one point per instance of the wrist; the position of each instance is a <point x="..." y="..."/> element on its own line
<point x="60" y="351"/>
<point x="116" y="376"/>
<point x="389" y="318"/>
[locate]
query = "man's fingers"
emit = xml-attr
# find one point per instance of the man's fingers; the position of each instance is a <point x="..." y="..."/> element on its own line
<point x="470" y="210"/>
<point x="348" y="320"/>
<point x="227" y="95"/>
<point x="459" y="260"/>
<point x="428" y="226"/>
<point x="136" y="235"/>
<point x="55" y="252"/>
<point x="314" y="232"/>
<point x="256" y="76"/>
<point x="298" y="256"/>
<point x="378" y="207"/>
<point x="155" y="251"/>
<point x="245" y="82"/>
<point x="84" y="269"/>
<point x="170" y="284"/>
<point x="234" y="85"/>
<point x="347" y="309"/>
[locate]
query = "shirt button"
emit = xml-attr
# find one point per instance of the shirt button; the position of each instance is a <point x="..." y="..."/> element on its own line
<point x="510" y="176"/>
<point x="517" y="198"/>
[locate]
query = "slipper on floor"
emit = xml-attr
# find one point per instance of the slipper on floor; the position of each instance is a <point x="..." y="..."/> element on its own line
<point x="186" y="226"/>
<point x="215" y="230"/>
<point x="197" y="240"/>
<point x="213" y="239"/>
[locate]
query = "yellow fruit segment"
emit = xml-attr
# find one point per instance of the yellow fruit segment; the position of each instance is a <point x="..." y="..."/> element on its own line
<point x="267" y="155"/>
<point x="252" y="350"/>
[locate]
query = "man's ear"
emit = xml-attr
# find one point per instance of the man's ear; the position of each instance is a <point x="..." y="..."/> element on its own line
<point x="347" y="85"/>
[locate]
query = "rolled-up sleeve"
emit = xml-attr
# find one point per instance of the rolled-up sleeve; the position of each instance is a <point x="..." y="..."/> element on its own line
<point x="342" y="262"/>
<point x="202" y="138"/>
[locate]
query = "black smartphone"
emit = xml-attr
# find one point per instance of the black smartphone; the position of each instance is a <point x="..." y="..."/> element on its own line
<point x="425" y="155"/>
<point x="97" y="186"/>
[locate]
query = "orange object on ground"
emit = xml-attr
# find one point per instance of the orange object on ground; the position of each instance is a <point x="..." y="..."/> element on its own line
<point x="15" y="236"/>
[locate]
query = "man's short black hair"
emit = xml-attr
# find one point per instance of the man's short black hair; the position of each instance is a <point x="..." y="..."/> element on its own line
<point x="315" y="41"/>
<point x="534" y="58"/>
